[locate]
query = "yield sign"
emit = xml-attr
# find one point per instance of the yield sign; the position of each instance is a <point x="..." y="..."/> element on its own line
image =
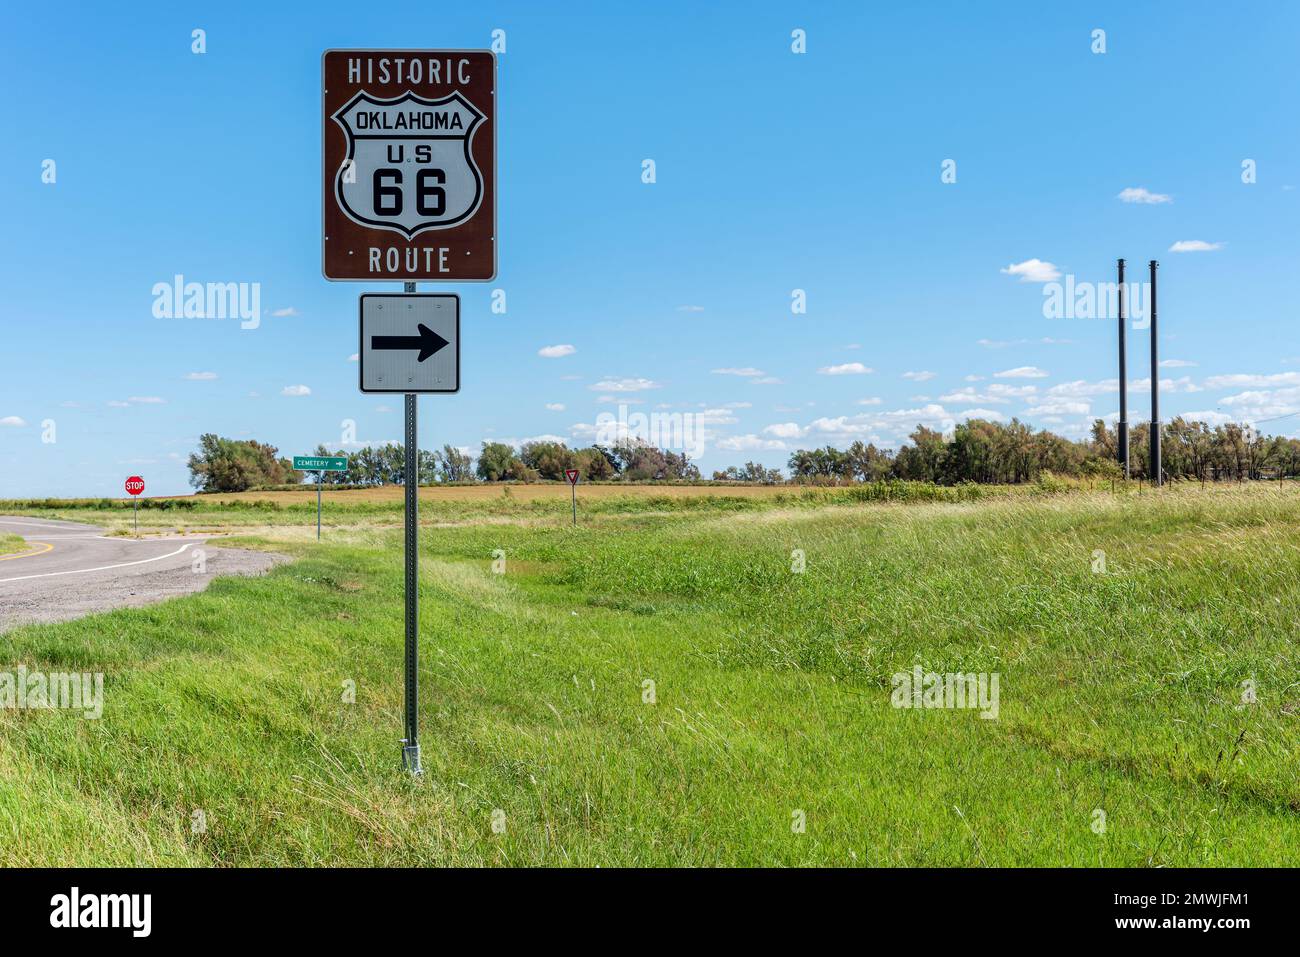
<point x="571" y="475"/>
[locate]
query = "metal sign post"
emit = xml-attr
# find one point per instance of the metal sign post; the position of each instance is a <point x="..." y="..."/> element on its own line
<point x="135" y="488"/>
<point x="572" y="476"/>
<point x="1121" y="428"/>
<point x="320" y="464"/>
<point x="411" y="743"/>
<point x="1157" y="472"/>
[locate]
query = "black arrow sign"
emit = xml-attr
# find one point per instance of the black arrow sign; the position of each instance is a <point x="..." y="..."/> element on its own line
<point x="428" y="342"/>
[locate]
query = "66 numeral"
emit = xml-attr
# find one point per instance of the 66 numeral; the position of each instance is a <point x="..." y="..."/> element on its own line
<point x="430" y="197"/>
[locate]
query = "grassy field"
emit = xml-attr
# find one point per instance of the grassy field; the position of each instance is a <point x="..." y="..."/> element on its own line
<point x="657" y="686"/>
<point x="9" y="544"/>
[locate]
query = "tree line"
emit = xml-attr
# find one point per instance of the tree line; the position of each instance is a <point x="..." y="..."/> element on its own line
<point x="230" y="465"/>
<point x="977" y="451"/>
<point x="991" y="452"/>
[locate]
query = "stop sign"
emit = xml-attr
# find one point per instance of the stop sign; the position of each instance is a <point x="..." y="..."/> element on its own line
<point x="134" y="485"/>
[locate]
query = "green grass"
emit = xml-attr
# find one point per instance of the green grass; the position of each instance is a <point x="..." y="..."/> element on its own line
<point x="1120" y="691"/>
<point x="12" y="543"/>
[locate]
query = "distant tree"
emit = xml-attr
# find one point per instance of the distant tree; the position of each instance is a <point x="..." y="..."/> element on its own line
<point x="756" y="472"/>
<point x="867" y="463"/>
<point x="800" y="464"/>
<point x="639" y="462"/>
<point x="593" y="464"/>
<point x="548" y="459"/>
<point x="611" y="458"/>
<point x="454" y="465"/>
<point x="230" y="465"/>
<point x="496" y="462"/>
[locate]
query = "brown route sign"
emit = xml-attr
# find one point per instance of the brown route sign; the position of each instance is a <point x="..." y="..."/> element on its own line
<point x="409" y="148"/>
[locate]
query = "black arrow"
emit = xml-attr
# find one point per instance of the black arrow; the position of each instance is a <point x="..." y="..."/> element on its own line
<point x="428" y="342"/>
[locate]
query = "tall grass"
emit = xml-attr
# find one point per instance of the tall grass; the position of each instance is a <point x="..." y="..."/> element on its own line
<point x="661" y="687"/>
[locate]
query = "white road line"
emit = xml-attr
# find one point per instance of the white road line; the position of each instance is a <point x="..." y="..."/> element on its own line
<point x="102" y="568"/>
<point x="43" y="524"/>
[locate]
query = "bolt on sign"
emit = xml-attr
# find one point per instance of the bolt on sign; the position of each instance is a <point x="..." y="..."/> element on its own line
<point x="410" y="165"/>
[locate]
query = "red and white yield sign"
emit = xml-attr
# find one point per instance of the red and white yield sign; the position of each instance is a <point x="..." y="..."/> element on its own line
<point x="571" y="475"/>
<point x="135" y="485"/>
<point x="409" y="165"/>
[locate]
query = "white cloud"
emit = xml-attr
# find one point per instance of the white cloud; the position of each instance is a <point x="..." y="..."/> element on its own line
<point x="714" y="417"/>
<point x="295" y="390"/>
<point x="546" y="437"/>
<point x="766" y="380"/>
<point x="201" y="376"/>
<point x="1060" y="406"/>
<point x="993" y="414"/>
<point x="1001" y="389"/>
<point x="996" y="392"/>
<point x="873" y="400"/>
<point x="286" y="311"/>
<point x="1194" y="246"/>
<point x="785" y="430"/>
<point x="555" y="406"/>
<point x="634" y="384"/>
<point x="1033" y="270"/>
<point x="1021" y="372"/>
<point x="1081" y="387"/>
<point x="146" y="400"/>
<point x="556" y="352"/>
<point x="1209" y="417"/>
<point x="1175" y="364"/>
<point x="1264" y="403"/>
<point x="747" y="371"/>
<point x="1139" y="194"/>
<point x="919" y="376"/>
<point x="749" y="443"/>
<point x="355" y="357"/>
<point x="690" y="308"/>
<point x="13" y="421"/>
<point x="1253" y="381"/>
<point x="847" y="368"/>
<point x="1181" y="384"/>
<point x="974" y="378"/>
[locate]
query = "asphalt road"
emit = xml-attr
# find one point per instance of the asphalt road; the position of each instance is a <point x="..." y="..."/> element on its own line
<point x="72" y="570"/>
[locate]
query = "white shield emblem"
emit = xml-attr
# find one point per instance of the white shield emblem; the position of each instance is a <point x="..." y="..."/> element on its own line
<point x="408" y="166"/>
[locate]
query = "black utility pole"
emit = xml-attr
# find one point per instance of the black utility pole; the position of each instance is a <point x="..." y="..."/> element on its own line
<point x="1121" y="431"/>
<point x="1157" y="476"/>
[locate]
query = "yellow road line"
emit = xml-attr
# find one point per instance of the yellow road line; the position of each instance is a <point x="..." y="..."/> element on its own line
<point x="45" y="547"/>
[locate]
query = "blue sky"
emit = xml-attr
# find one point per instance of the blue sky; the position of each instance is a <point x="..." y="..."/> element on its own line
<point x="775" y="171"/>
